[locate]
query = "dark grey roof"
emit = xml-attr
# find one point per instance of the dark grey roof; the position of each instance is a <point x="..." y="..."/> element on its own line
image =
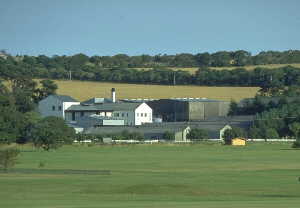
<point x="141" y="129"/>
<point x="65" y="98"/>
<point x="138" y="100"/>
<point x="105" y="107"/>
<point x="96" y="101"/>
<point x="196" y="100"/>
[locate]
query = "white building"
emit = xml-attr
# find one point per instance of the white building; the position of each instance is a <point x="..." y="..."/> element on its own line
<point x="56" y="105"/>
<point x="96" y="110"/>
<point x="132" y="113"/>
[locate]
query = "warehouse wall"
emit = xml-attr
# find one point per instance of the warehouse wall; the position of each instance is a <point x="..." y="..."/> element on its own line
<point x="196" y="111"/>
<point x="211" y="109"/>
<point x="224" y="108"/>
<point x="174" y="110"/>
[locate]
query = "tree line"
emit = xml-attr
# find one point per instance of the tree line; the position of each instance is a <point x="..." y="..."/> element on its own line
<point x="82" y="69"/>
<point x="217" y="59"/>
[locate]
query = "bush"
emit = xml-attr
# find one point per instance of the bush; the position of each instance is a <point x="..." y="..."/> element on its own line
<point x="8" y="157"/>
<point x="229" y="134"/>
<point x="197" y="134"/>
<point x="296" y="144"/>
<point x="168" y="135"/>
<point x="51" y="133"/>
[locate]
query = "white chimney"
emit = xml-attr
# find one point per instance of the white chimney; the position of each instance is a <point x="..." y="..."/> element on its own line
<point x="113" y="95"/>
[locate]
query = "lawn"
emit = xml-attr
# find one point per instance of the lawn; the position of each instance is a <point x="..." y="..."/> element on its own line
<point x="171" y="176"/>
<point x="83" y="90"/>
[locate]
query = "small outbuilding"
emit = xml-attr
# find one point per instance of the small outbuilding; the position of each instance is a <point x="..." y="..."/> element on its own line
<point x="238" y="141"/>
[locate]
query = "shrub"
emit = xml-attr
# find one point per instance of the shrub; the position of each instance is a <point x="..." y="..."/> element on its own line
<point x="296" y="144"/>
<point x="168" y="135"/>
<point x="51" y="133"/>
<point x="197" y="134"/>
<point x="229" y="134"/>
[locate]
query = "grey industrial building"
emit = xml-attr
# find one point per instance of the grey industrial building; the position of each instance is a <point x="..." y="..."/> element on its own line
<point x="188" y="109"/>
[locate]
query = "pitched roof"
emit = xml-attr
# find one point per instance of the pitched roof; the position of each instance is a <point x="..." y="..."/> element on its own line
<point x="65" y="98"/>
<point x="96" y="101"/>
<point x="105" y="107"/>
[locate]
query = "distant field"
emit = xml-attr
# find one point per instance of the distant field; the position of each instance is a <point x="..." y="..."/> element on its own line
<point x="156" y="176"/>
<point x="82" y="90"/>
<point x="192" y="70"/>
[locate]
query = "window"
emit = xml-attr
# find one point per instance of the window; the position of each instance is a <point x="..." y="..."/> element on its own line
<point x="145" y="114"/>
<point x="142" y="114"/>
<point x="122" y="114"/>
<point x="116" y="114"/>
<point x="73" y="116"/>
<point x="53" y="108"/>
<point x="127" y="114"/>
<point x="81" y="113"/>
<point x="137" y="114"/>
<point x="59" y="108"/>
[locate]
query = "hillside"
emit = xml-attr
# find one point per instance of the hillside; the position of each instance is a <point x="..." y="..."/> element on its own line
<point x="82" y="90"/>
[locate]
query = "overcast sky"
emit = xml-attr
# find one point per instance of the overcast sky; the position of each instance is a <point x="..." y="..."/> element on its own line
<point x="135" y="27"/>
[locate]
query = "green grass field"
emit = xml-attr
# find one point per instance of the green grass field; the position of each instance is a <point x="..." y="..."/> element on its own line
<point x="160" y="176"/>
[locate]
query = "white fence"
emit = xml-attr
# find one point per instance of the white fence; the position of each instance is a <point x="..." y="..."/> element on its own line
<point x="271" y="140"/>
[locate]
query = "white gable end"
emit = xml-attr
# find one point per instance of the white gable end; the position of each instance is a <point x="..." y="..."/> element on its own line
<point x="143" y="114"/>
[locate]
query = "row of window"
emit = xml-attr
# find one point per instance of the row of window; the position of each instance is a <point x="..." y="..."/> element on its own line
<point x="120" y="114"/>
<point x="59" y="108"/>
<point x="142" y="114"/>
<point x="106" y="114"/>
<point x="126" y="114"/>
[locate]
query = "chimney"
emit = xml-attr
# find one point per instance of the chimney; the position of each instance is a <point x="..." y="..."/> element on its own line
<point x="113" y="95"/>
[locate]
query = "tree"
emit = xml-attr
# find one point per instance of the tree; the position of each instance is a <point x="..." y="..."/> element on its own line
<point x="51" y="133"/>
<point x="232" y="133"/>
<point x="295" y="128"/>
<point x="9" y="118"/>
<point x="233" y="108"/>
<point x="48" y="88"/>
<point x="271" y="133"/>
<point x="8" y="157"/>
<point x="23" y="89"/>
<point x="203" y="59"/>
<point x="27" y="122"/>
<point x="197" y="134"/>
<point x="255" y="133"/>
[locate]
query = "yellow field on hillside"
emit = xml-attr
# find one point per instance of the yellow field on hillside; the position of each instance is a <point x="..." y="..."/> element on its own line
<point x="83" y="90"/>
<point x="192" y="70"/>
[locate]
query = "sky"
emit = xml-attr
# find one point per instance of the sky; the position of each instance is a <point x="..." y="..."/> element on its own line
<point x="135" y="27"/>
